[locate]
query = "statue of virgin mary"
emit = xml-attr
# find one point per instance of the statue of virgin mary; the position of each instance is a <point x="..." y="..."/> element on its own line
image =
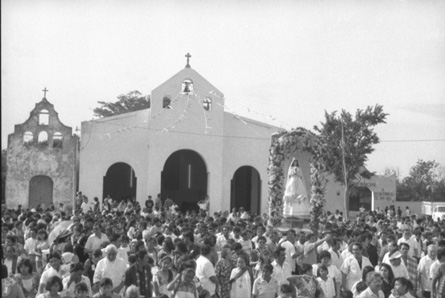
<point x="296" y="201"/>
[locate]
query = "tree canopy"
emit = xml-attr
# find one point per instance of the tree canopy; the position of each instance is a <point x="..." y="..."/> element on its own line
<point x="130" y="102"/>
<point x="425" y="182"/>
<point x="348" y="140"/>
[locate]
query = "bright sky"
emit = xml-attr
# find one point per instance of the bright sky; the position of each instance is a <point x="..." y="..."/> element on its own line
<point x="281" y="62"/>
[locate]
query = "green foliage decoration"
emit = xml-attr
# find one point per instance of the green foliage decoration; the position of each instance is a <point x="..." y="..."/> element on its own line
<point x="284" y="144"/>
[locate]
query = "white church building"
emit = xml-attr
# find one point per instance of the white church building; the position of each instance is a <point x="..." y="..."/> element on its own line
<point x="185" y="146"/>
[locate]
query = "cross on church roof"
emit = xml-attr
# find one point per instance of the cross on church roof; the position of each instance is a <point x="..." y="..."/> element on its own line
<point x="188" y="60"/>
<point x="44" y="92"/>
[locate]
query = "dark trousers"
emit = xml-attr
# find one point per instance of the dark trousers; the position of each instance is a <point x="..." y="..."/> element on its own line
<point x="426" y="294"/>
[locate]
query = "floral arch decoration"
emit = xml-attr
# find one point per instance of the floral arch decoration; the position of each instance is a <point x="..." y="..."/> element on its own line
<point x="284" y="144"/>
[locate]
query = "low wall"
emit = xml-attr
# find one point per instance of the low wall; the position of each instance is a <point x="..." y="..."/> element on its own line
<point x="415" y="207"/>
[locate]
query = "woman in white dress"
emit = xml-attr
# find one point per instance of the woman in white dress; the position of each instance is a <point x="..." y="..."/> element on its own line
<point x="296" y="201"/>
<point x="241" y="281"/>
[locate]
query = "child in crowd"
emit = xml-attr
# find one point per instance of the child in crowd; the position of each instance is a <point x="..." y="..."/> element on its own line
<point x="81" y="290"/>
<point x="326" y="282"/>
<point x="105" y="290"/>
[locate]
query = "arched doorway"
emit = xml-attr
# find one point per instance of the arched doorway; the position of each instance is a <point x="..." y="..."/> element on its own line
<point x="120" y="182"/>
<point x="246" y="189"/>
<point x="40" y="191"/>
<point x="184" y="179"/>
<point x="360" y="196"/>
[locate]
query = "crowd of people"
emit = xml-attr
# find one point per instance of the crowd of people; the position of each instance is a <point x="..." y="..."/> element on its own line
<point x="121" y="249"/>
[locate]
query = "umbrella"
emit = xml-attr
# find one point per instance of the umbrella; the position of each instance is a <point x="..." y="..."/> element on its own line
<point x="59" y="229"/>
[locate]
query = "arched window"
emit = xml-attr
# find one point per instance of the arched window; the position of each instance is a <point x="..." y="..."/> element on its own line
<point x="207" y="103"/>
<point x="43" y="138"/>
<point x="57" y="140"/>
<point x="166" y="101"/>
<point x="187" y="86"/>
<point x="28" y="137"/>
<point x="44" y="117"/>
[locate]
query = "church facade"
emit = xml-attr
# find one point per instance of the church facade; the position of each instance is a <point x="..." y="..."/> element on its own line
<point x="42" y="160"/>
<point x="185" y="146"/>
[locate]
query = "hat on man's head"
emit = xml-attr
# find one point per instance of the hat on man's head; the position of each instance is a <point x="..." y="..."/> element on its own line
<point x="395" y="255"/>
<point x="67" y="257"/>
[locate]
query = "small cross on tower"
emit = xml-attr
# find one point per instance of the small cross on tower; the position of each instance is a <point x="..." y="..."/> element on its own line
<point x="44" y="92"/>
<point x="188" y="60"/>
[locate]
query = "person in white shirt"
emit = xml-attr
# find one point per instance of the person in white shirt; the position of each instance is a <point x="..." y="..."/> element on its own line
<point x="265" y="286"/>
<point x="168" y="232"/>
<point x="30" y="247"/>
<point x="392" y="248"/>
<point x="112" y="267"/>
<point x="326" y="244"/>
<point x="347" y="252"/>
<point x="205" y="271"/>
<point x="333" y="272"/>
<point x="423" y="270"/>
<point x="374" y="281"/>
<point x="75" y="277"/>
<point x="291" y="253"/>
<point x="54" y="270"/>
<point x="95" y="240"/>
<point x="223" y="238"/>
<point x="233" y="216"/>
<point x="413" y="244"/>
<point x="398" y="268"/>
<point x="281" y="269"/>
<point x="336" y="258"/>
<point x="326" y="282"/>
<point x="260" y="231"/>
<point x="352" y="267"/>
<point x="86" y="206"/>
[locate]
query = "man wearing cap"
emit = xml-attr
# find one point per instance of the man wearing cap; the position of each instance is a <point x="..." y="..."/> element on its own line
<point x="54" y="270"/>
<point x="398" y="268"/>
<point x="112" y="267"/>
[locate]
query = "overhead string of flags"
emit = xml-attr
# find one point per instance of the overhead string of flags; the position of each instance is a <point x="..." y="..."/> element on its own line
<point x="183" y="115"/>
<point x="192" y="98"/>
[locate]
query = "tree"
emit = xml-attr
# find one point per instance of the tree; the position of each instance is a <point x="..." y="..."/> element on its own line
<point x="347" y="142"/>
<point x="4" y="169"/>
<point x="130" y="102"/>
<point x="426" y="182"/>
